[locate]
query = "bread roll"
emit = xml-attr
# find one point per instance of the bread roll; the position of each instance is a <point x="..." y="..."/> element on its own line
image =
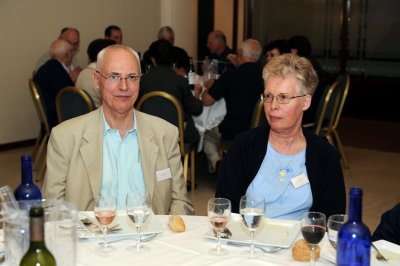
<point x="176" y="223"/>
<point x="301" y="251"/>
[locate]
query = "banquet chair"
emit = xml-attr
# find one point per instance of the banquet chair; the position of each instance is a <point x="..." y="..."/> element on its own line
<point x="39" y="150"/>
<point x="329" y="112"/>
<point x="72" y="102"/>
<point x="167" y="107"/>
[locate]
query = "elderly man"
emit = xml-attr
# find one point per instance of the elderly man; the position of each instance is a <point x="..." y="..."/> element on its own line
<point x="219" y="50"/>
<point x="71" y="35"/>
<point x="116" y="149"/>
<point x="54" y="75"/>
<point x="113" y="33"/>
<point x="181" y="58"/>
<point x="240" y="87"/>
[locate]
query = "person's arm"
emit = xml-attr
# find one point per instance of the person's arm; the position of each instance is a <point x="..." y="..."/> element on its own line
<point x="180" y="204"/>
<point x="192" y="104"/>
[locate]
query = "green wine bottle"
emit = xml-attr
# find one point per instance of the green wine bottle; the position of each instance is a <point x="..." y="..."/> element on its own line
<point x="37" y="254"/>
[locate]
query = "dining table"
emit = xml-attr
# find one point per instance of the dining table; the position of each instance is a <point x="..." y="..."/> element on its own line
<point x="185" y="248"/>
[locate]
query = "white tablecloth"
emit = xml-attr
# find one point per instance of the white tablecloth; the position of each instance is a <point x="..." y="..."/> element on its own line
<point x="187" y="248"/>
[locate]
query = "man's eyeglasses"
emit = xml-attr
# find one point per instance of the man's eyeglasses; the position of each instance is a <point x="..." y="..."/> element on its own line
<point x="116" y="77"/>
<point x="280" y="98"/>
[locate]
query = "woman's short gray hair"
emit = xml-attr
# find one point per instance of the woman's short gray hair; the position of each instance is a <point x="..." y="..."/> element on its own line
<point x="292" y="65"/>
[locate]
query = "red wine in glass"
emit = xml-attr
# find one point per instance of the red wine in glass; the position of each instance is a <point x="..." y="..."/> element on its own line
<point x="313" y="234"/>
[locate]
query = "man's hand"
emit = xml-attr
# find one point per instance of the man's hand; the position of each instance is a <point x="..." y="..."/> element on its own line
<point x="208" y="84"/>
<point x="74" y="73"/>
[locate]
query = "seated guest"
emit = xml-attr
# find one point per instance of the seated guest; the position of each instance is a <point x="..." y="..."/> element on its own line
<point x="389" y="227"/>
<point x="219" y="50"/>
<point x="71" y="35"/>
<point x="301" y="46"/>
<point x="85" y="79"/>
<point x="53" y="76"/>
<point x="116" y="149"/>
<point x="241" y="88"/>
<point x="292" y="168"/>
<point x="163" y="78"/>
<point x="113" y="33"/>
<point x="181" y="57"/>
<point x="276" y="48"/>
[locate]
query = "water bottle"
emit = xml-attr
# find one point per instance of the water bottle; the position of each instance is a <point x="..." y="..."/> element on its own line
<point x="37" y="254"/>
<point x="354" y="237"/>
<point x="27" y="190"/>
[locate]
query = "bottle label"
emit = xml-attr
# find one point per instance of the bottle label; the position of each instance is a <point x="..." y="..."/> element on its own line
<point x="191" y="77"/>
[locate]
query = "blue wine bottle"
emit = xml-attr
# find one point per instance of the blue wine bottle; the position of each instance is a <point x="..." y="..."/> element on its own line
<point x="354" y="238"/>
<point x="27" y="190"/>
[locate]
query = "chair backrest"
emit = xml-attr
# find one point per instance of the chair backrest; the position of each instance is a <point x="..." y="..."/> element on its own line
<point x="39" y="104"/>
<point x="167" y="107"/>
<point x="72" y="102"/>
<point x="258" y="117"/>
<point x="331" y="105"/>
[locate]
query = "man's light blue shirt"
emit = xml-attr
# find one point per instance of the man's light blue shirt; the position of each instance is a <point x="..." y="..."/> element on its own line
<point x="122" y="169"/>
<point x="282" y="199"/>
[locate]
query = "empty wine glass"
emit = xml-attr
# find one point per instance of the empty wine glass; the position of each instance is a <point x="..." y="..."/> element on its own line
<point x="105" y="210"/>
<point x="138" y="207"/>
<point x="334" y="223"/>
<point x="313" y="226"/>
<point x="219" y="212"/>
<point x="252" y="212"/>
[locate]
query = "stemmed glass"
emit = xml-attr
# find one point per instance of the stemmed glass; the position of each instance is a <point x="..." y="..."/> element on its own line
<point x="105" y="210"/>
<point x="138" y="207"/>
<point x="313" y="226"/>
<point x="219" y="212"/>
<point x="252" y="212"/>
<point x="334" y="223"/>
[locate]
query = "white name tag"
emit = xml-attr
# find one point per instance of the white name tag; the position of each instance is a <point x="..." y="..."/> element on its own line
<point x="163" y="174"/>
<point x="299" y="181"/>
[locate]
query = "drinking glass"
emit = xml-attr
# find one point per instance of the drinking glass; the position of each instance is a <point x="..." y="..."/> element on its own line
<point x="252" y="212"/>
<point x="219" y="212"/>
<point x="313" y="226"/>
<point x="334" y="223"/>
<point x="105" y="210"/>
<point x="138" y="207"/>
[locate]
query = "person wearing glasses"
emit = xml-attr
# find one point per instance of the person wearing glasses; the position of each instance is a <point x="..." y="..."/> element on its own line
<point x="292" y="168"/>
<point x="116" y="149"/>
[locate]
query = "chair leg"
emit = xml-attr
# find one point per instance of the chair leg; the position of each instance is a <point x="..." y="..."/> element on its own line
<point x="41" y="158"/>
<point x="36" y="147"/>
<point x="41" y="169"/>
<point x="185" y="166"/>
<point x="340" y="148"/>
<point x="192" y="170"/>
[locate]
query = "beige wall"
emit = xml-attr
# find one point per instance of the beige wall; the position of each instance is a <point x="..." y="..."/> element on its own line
<point x="28" y="27"/>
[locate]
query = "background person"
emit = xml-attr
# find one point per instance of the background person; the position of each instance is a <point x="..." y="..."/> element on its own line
<point x="292" y="168"/>
<point x="113" y="33"/>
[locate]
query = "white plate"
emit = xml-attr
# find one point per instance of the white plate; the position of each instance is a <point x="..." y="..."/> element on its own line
<point x="273" y="232"/>
<point x="151" y="226"/>
<point x="389" y="250"/>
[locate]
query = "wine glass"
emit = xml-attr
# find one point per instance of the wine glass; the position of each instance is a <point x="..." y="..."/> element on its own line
<point x="105" y="210"/>
<point x="334" y="223"/>
<point x="252" y="212"/>
<point x="138" y="207"/>
<point x="219" y="212"/>
<point x="313" y="229"/>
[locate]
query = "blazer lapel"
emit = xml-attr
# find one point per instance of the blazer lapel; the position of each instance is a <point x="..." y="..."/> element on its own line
<point x="148" y="152"/>
<point x="92" y="153"/>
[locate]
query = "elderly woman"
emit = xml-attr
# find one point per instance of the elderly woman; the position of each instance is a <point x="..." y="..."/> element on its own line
<point x="292" y="168"/>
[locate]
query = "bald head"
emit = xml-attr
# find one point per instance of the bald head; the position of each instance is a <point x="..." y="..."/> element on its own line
<point x="114" y="48"/>
<point x="71" y="35"/>
<point x="251" y="50"/>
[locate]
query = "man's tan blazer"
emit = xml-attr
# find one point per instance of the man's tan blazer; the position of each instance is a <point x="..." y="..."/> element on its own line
<point x="75" y="162"/>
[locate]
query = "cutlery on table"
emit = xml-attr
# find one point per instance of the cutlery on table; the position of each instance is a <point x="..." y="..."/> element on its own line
<point x="144" y="238"/>
<point x="379" y="255"/>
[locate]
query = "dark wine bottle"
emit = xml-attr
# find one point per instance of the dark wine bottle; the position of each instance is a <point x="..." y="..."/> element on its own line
<point x="354" y="237"/>
<point x="27" y="190"/>
<point x="191" y="74"/>
<point x="37" y="254"/>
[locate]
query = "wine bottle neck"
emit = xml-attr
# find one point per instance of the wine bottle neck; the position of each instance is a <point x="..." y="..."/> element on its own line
<point x="26" y="171"/>
<point x="355" y="208"/>
<point x="37" y="229"/>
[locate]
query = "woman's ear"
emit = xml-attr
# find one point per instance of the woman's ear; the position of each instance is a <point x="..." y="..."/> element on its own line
<point x="307" y="102"/>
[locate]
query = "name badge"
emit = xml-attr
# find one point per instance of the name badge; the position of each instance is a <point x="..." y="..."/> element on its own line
<point x="163" y="174"/>
<point x="299" y="181"/>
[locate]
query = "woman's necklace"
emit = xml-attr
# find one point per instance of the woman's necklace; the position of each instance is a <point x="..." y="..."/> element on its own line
<point x="283" y="171"/>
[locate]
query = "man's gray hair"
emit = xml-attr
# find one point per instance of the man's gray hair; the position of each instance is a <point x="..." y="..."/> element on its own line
<point x="100" y="55"/>
<point x="59" y="48"/>
<point x="251" y="49"/>
<point x="165" y="30"/>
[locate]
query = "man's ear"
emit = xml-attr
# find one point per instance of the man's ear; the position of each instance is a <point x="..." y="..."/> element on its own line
<point x="307" y="102"/>
<point x="95" y="77"/>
